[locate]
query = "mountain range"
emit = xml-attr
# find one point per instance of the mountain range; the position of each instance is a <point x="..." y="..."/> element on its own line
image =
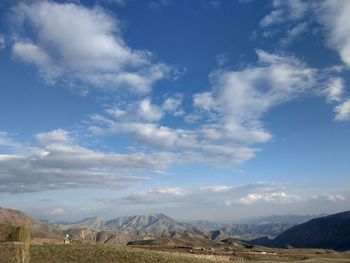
<point x="329" y="232"/>
<point x="268" y="226"/>
<point x="131" y="223"/>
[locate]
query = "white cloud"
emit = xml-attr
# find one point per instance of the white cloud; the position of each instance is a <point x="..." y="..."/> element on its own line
<point x="60" y="163"/>
<point x="173" y="104"/>
<point x="332" y="14"/>
<point x="279" y="197"/>
<point x="231" y="112"/>
<point x="82" y="44"/>
<point x="285" y="11"/>
<point x="251" y="199"/>
<point x="53" y="137"/>
<point x="148" y="111"/>
<point x="253" y="195"/>
<point x="335" y="89"/>
<point x="203" y="101"/>
<point x="343" y="111"/>
<point x="142" y="110"/>
<point x="293" y="33"/>
<point x="288" y="20"/>
<point x="335" y="16"/>
<point x="31" y="53"/>
<point x="240" y="98"/>
<point x="194" y="145"/>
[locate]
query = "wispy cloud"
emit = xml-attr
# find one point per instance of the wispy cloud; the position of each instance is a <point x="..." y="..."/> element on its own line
<point x="285" y="11"/>
<point x="293" y="33"/>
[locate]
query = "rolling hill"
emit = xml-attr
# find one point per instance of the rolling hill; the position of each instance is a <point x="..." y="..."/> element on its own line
<point x="328" y="232"/>
<point x="17" y="218"/>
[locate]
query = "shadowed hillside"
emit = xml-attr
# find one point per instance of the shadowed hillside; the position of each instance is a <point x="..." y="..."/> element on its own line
<point x="332" y="232"/>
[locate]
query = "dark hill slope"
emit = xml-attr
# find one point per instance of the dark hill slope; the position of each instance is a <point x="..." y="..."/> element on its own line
<point x="329" y="232"/>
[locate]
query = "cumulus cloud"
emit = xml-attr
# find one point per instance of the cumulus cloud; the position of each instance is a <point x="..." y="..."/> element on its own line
<point x="335" y="89"/>
<point x="59" y="163"/>
<point x="55" y="136"/>
<point x="232" y="108"/>
<point x="173" y="105"/>
<point x="335" y="16"/>
<point x="31" y="53"/>
<point x="77" y="43"/>
<point x="148" y="111"/>
<point x="251" y="198"/>
<point x="343" y="111"/>
<point x="144" y="110"/>
<point x="230" y="113"/>
<point x="192" y="144"/>
<point x="240" y="98"/>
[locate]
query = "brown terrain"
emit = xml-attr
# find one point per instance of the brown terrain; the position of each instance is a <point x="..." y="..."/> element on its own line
<point x="138" y="239"/>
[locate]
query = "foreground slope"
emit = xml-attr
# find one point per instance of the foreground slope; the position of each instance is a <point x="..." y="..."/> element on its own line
<point x="17" y="218"/>
<point x="330" y="232"/>
<point x="87" y="253"/>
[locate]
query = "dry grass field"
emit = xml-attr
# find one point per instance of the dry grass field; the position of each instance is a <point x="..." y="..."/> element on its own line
<point x="98" y="253"/>
<point x="86" y="253"/>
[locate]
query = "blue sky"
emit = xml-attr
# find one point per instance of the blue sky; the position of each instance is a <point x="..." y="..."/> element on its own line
<point x="214" y="110"/>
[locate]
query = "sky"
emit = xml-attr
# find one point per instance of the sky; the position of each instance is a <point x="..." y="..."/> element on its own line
<point x="216" y="110"/>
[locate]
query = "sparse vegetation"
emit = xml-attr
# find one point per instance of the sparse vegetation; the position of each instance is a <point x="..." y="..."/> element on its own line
<point x="8" y="232"/>
<point x="102" y="253"/>
<point x="25" y="237"/>
<point x="97" y="253"/>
